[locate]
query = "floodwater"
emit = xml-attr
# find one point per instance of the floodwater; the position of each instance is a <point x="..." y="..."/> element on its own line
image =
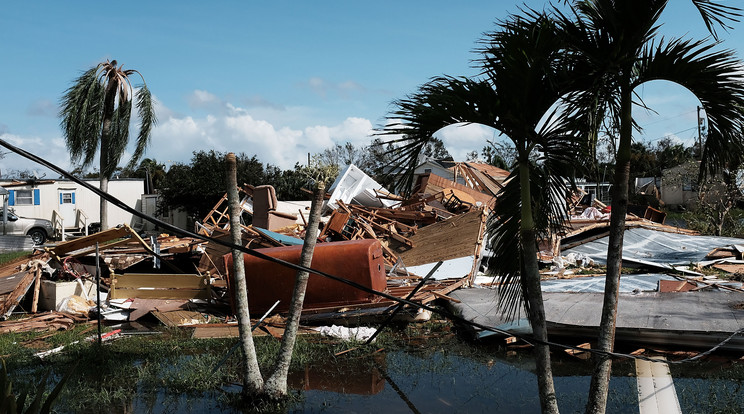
<point x="439" y="381"/>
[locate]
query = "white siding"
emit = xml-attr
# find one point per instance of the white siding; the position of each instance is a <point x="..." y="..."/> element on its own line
<point x="128" y="191"/>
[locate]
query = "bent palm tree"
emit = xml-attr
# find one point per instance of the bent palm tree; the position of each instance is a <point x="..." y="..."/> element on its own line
<point x="616" y="42"/>
<point x="96" y="111"/>
<point x="522" y="79"/>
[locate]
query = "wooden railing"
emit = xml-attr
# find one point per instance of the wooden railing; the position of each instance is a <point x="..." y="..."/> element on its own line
<point x="58" y="226"/>
<point x="81" y="221"/>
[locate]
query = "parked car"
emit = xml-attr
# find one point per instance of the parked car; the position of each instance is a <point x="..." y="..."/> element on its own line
<point x="39" y="229"/>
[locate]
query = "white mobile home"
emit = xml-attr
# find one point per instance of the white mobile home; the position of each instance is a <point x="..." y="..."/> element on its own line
<point x="71" y="201"/>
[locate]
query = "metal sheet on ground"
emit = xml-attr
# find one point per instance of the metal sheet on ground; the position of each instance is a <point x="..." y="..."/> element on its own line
<point x="657" y="246"/>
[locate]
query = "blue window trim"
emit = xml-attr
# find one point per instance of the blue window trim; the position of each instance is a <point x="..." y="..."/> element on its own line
<point x="37" y="197"/>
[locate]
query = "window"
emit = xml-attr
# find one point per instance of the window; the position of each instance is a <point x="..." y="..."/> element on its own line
<point x="24" y="197"/>
<point x="66" y="198"/>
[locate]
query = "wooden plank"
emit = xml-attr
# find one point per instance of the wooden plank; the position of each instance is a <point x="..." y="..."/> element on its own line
<point x="442" y="296"/>
<point x="37" y="286"/>
<point x="160" y="286"/>
<point x="730" y="268"/>
<point x="219" y="331"/>
<point x="580" y="354"/>
<point x="14" y="297"/>
<point x="63" y="248"/>
<point x="456" y="237"/>
<point x="92" y="249"/>
<point x="150" y="293"/>
<point x="155" y="280"/>
<point x="179" y="317"/>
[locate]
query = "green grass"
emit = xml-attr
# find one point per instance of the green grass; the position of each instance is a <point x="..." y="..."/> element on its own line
<point x="10" y="256"/>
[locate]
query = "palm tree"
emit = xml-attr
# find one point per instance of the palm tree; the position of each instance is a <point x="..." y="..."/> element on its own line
<point x="617" y="44"/>
<point x="96" y="111"/>
<point x="522" y="79"/>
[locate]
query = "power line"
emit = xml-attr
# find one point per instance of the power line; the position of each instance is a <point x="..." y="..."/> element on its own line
<point x="442" y="312"/>
<point x="669" y="118"/>
<point x="672" y="133"/>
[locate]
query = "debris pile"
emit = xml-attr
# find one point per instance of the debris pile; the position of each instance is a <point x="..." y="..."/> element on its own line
<point x="421" y="248"/>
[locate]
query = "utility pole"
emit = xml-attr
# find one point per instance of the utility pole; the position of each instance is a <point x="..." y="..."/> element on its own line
<point x="700" y="135"/>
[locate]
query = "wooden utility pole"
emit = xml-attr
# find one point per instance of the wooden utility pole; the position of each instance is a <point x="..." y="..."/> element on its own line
<point x="700" y="135"/>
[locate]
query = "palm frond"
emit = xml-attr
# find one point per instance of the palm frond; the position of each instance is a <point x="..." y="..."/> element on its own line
<point x="146" y="113"/>
<point x="503" y="240"/>
<point x="715" y="78"/>
<point x="442" y="102"/>
<point x="716" y="14"/>
<point x="82" y="114"/>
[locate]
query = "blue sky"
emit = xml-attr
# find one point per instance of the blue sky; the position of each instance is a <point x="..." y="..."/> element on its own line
<point x="275" y="79"/>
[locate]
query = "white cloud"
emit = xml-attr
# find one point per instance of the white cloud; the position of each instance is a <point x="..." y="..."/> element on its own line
<point x="460" y="139"/>
<point x="277" y="140"/>
<point x="174" y="139"/>
<point x="199" y="99"/>
<point x="53" y="150"/>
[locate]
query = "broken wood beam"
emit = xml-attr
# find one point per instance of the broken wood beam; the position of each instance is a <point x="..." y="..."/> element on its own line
<point x="37" y="286"/>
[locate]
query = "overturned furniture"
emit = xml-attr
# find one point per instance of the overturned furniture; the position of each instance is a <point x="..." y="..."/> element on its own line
<point x="265" y="214"/>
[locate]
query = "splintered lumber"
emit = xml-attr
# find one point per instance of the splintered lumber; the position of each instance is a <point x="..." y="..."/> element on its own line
<point x="730" y="267"/>
<point x="723" y="253"/>
<point x="218" y="217"/>
<point x="14" y="288"/>
<point x="426" y="293"/>
<point x="179" y="317"/>
<point x="106" y="239"/>
<point x="676" y="285"/>
<point x="432" y="184"/>
<point x="160" y="286"/>
<point x="37" y="286"/>
<point x="211" y="261"/>
<point x="49" y="321"/>
<point x="459" y="236"/>
<point x="580" y="354"/>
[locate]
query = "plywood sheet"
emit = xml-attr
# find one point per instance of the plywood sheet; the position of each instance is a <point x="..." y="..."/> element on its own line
<point x="160" y="286"/>
<point x="458" y="236"/>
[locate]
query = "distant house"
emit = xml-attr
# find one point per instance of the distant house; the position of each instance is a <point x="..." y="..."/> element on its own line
<point x="73" y="203"/>
<point x="482" y="177"/>
<point x="680" y="188"/>
<point x="591" y="188"/>
<point x="442" y="168"/>
<point x="679" y="185"/>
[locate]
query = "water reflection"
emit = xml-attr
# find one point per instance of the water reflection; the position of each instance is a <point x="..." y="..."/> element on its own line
<point x="441" y="381"/>
<point x="345" y="376"/>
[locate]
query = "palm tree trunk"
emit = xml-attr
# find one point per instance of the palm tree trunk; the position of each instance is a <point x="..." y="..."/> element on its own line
<point x="276" y="384"/>
<point x="104" y="182"/>
<point x="533" y="292"/>
<point x="108" y="116"/>
<point x="252" y="380"/>
<point x="597" y="402"/>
